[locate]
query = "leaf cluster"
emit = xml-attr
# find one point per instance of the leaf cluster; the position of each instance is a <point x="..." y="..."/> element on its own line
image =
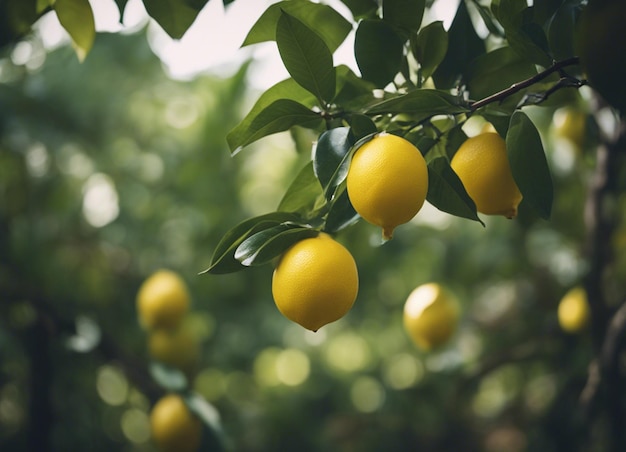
<point x="417" y="80"/>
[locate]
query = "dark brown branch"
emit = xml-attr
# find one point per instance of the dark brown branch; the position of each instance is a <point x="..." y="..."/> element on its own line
<point x="517" y="87"/>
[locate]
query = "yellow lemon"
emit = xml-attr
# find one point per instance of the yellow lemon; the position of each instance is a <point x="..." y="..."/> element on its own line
<point x="573" y="311"/>
<point x="315" y="282"/>
<point x="174" y="427"/>
<point x="387" y="181"/>
<point x="177" y="348"/>
<point x="162" y="300"/>
<point x="431" y="315"/>
<point x="483" y="166"/>
<point x="570" y="124"/>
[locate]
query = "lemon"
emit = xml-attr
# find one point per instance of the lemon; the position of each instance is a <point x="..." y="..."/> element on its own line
<point x="483" y="167"/>
<point x="315" y="282"/>
<point x="601" y="44"/>
<point x="573" y="310"/>
<point x="177" y="348"/>
<point x="387" y="181"/>
<point x="174" y="427"/>
<point x="570" y="124"/>
<point x="162" y="300"/>
<point x="431" y="315"/>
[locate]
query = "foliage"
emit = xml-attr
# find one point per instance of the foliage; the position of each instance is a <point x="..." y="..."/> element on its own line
<point x="100" y="187"/>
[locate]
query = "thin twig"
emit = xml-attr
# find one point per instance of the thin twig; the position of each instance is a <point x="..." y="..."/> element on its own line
<point x="517" y="87"/>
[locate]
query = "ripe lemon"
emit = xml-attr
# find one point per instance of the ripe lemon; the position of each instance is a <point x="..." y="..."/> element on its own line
<point x="573" y="311"/>
<point x="174" y="427"/>
<point x="570" y="124"/>
<point x="387" y="181"/>
<point x="162" y="300"/>
<point x="315" y="282"/>
<point x="178" y="348"/>
<point x="601" y="44"/>
<point x="483" y="166"/>
<point x="431" y="315"/>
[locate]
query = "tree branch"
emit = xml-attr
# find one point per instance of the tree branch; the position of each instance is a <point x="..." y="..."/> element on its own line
<point x="517" y="87"/>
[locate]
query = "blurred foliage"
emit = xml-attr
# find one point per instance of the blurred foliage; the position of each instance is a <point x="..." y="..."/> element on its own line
<point x="109" y="171"/>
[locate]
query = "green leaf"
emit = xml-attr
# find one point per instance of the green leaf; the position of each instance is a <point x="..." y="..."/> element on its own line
<point x="497" y="70"/>
<point x="526" y="37"/>
<point x="561" y="31"/>
<point x="404" y="14"/>
<point x="286" y="89"/>
<point x="378" y="50"/>
<point x="352" y="91"/>
<point x="332" y="27"/>
<point x="223" y="259"/>
<point x="487" y="16"/>
<point x="421" y="104"/>
<point x="213" y="434"/>
<point x="463" y="46"/>
<point x="362" y="9"/>
<point x="361" y="126"/>
<point x="279" y="116"/>
<point x="167" y="377"/>
<point x="121" y="6"/>
<point x="430" y="47"/>
<point x="341" y="213"/>
<point x="528" y="164"/>
<point x="307" y="59"/>
<point x="303" y="193"/>
<point x="262" y="247"/>
<point x="174" y="16"/>
<point x="76" y="17"/>
<point x="446" y="191"/>
<point x="329" y="155"/>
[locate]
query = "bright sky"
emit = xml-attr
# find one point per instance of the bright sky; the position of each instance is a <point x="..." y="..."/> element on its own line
<point x="213" y="43"/>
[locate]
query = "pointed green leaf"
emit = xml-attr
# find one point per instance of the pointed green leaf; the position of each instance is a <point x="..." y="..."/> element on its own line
<point x="362" y="9"/>
<point x="306" y="57"/>
<point x="262" y="247"/>
<point x="361" y="126"/>
<point x="329" y="153"/>
<point x="286" y="89"/>
<point x="526" y="37"/>
<point x="121" y="6"/>
<point x="528" y="164"/>
<point x="223" y="259"/>
<point x="430" y="47"/>
<point x="279" y="116"/>
<point x="404" y="14"/>
<point x="76" y="17"/>
<point x="213" y="434"/>
<point x="561" y="30"/>
<point x="174" y="16"/>
<point x="497" y="70"/>
<point x="446" y="191"/>
<point x="463" y="46"/>
<point x="378" y="50"/>
<point x="421" y="104"/>
<point x="331" y="26"/>
<point x="303" y="193"/>
<point x="341" y="213"/>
